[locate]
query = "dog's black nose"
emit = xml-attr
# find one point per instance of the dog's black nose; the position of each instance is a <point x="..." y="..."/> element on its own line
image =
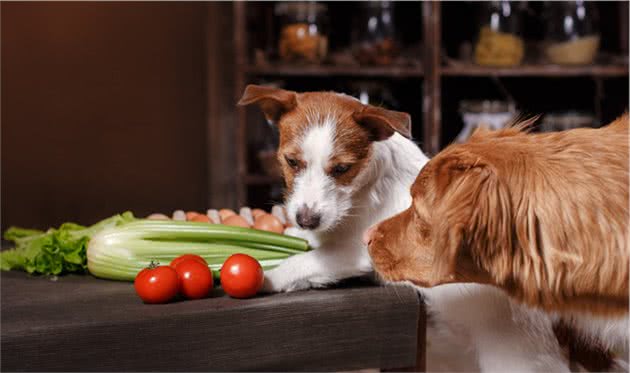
<point x="307" y="218"/>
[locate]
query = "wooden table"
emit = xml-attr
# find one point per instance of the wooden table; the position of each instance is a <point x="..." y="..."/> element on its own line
<point x="79" y="323"/>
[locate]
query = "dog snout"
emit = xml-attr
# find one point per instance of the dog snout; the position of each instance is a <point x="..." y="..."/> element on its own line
<point x="367" y="235"/>
<point x="307" y="218"/>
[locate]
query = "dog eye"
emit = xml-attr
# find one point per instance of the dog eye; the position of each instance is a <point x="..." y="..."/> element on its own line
<point x="340" y="169"/>
<point x="293" y="163"/>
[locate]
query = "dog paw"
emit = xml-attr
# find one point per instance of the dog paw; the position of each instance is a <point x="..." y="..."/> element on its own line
<point x="274" y="283"/>
<point x="309" y="236"/>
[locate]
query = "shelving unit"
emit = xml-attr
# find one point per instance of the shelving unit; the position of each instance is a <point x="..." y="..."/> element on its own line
<point x="349" y="71"/>
<point x="550" y="71"/>
<point x="430" y="78"/>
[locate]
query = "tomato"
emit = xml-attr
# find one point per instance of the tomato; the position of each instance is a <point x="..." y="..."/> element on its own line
<point x="157" y="284"/>
<point x="195" y="278"/>
<point x="181" y="258"/>
<point x="241" y="276"/>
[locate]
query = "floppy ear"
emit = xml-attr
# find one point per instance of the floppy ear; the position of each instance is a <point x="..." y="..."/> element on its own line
<point x="383" y="123"/>
<point x="472" y="220"/>
<point x="273" y="102"/>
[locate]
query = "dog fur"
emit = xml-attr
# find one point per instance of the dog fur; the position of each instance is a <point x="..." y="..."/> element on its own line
<point x="321" y="130"/>
<point x="542" y="216"/>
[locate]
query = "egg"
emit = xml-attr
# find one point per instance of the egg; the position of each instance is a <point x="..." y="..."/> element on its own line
<point x="201" y="218"/>
<point x="226" y="213"/>
<point x="279" y="212"/>
<point x="246" y="213"/>
<point x="269" y="223"/>
<point x="190" y="215"/>
<point x="258" y="212"/>
<point x="157" y="216"/>
<point x="214" y="216"/>
<point x="179" y="215"/>
<point x="235" y="221"/>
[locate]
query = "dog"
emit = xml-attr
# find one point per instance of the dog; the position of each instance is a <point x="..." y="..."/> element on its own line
<point x="348" y="166"/>
<point x="544" y="217"/>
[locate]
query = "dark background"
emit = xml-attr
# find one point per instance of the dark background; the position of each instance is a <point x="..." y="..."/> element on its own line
<point x="108" y="107"/>
<point x="103" y="110"/>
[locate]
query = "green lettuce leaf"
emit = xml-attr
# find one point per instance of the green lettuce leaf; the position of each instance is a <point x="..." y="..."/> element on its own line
<point x="56" y="251"/>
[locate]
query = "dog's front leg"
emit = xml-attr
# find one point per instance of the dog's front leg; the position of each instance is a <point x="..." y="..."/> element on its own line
<point x="316" y="268"/>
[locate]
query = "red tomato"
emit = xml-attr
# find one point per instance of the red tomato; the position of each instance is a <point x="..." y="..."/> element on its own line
<point x="241" y="276"/>
<point x="181" y="258"/>
<point x="195" y="278"/>
<point x="157" y="284"/>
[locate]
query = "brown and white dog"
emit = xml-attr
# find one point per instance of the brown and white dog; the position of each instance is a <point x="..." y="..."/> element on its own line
<point x="348" y="166"/>
<point x="542" y="216"/>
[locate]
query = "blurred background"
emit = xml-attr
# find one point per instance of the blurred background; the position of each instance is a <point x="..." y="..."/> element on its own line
<point x="108" y="107"/>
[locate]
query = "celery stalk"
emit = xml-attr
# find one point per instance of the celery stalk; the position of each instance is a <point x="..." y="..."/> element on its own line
<point x="121" y="246"/>
<point x="119" y="253"/>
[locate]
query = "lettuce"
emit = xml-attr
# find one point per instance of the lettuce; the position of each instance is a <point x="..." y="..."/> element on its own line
<point x="56" y="251"/>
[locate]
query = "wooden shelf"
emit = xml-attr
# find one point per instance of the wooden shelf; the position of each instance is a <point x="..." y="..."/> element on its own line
<point x="328" y="70"/>
<point x="536" y="70"/>
<point x="261" y="179"/>
<point x="428" y="75"/>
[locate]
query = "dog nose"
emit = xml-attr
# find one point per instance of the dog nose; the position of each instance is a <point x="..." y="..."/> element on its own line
<point x="307" y="218"/>
<point x="367" y="235"/>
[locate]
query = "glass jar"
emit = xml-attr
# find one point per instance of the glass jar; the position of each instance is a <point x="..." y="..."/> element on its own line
<point x="374" y="93"/>
<point x="303" y="37"/>
<point x="374" y="37"/>
<point x="499" y="42"/>
<point x="572" y="36"/>
<point x="566" y="120"/>
<point x="490" y="114"/>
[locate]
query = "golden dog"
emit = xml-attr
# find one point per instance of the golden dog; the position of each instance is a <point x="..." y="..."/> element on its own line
<point x="542" y="216"/>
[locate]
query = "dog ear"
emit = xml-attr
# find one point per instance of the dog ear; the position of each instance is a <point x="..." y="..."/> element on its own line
<point x="273" y="102"/>
<point x="383" y="123"/>
<point x="473" y="223"/>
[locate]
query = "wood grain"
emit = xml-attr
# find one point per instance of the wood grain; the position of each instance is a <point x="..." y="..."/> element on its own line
<point x="432" y="107"/>
<point x="326" y="70"/>
<point x="79" y="323"/>
<point x="221" y="116"/>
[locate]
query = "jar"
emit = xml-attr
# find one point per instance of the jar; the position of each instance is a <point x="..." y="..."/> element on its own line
<point x="499" y="42"/>
<point x="490" y="114"/>
<point x="374" y="36"/>
<point x="374" y="93"/>
<point x="566" y="120"/>
<point x="572" y="36"/>
<point x="303" y="37"/>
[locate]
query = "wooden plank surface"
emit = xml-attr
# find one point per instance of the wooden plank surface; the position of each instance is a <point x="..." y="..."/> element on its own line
<point x="79" y="323"/>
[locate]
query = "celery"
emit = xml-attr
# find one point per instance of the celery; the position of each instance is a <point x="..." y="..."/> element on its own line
<point x="119" y="253"/>
<point x="119" y="247"/>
